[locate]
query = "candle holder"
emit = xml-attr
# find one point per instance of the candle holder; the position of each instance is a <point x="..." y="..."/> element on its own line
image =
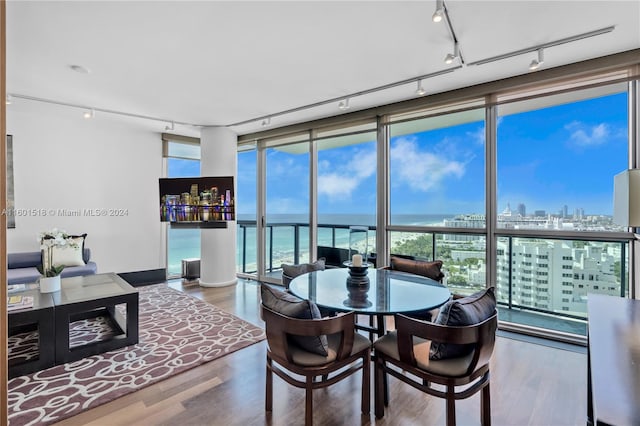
<point x="358" y="287"/>
<point x="357" y="270"/>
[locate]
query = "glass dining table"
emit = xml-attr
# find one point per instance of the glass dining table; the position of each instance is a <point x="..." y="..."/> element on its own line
<point x="383" y="292"/>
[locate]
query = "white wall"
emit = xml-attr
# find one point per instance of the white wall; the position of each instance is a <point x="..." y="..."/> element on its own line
<point x="109" y="163"/>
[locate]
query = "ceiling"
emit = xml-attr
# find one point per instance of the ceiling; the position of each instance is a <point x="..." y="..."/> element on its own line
<point x="221" y="63"/>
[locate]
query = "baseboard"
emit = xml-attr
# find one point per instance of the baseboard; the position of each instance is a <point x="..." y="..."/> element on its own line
<point x="140" y="278"/>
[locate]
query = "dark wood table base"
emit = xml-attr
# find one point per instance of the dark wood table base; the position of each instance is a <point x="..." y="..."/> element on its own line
<point x="79" y="298"/>
<point x="39" y="318"/>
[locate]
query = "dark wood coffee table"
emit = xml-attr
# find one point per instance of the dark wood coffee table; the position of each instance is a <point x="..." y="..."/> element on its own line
<point x="91" y="296"/>
<point x="39" y="317"/>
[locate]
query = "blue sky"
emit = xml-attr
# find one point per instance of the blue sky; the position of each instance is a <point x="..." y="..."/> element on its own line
<point x="547" y="158"/>
<point x="564" y="155"/>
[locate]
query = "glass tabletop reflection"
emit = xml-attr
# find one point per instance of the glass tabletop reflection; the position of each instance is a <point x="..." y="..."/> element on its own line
<point x="387" y="292"/>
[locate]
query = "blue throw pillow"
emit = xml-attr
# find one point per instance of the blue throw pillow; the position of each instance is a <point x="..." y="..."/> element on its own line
<point x="292" y="306"/>
<point x="459" y="312"/>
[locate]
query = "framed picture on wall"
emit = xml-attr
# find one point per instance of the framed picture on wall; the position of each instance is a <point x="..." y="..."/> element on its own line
<point x="11" y="218"/>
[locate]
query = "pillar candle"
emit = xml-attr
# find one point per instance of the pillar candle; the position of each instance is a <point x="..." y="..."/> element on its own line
<point x="356" y="260"/>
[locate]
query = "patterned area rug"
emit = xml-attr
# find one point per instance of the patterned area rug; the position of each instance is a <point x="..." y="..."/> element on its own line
<point x="177" y="332"/>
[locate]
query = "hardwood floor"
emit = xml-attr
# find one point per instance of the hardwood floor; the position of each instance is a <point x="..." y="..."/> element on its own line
<point x="531" y="384"/>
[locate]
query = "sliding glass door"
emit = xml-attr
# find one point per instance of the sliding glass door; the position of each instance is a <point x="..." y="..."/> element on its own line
<point x="286" y="218"/>
<point x="346" y="186"/>
<point x="246" y="211"/>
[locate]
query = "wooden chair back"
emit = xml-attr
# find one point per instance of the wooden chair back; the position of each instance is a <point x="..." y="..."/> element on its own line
<point x="279" y="327"/>
<point x="482" y="336"/>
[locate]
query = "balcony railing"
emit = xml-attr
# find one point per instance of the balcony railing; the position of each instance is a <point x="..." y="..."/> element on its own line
<point x="292" y="237"/>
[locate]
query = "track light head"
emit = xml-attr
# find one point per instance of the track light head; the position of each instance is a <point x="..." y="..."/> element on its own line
<point x="89" y="114"/>
<point x="172" y="127"/>
<point x="536" y="63"/>
<point x="420" y="91"/>
<point x="449" y="58"/>
<point x="266" y="122"/>
<point x="452" y="56"/>
<point x="438" y="15"/>
<point x="343" y="105"/>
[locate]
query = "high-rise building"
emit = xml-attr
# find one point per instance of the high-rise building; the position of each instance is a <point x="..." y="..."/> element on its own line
<point x="556" y="275"/>
<point x="522" y="210"/>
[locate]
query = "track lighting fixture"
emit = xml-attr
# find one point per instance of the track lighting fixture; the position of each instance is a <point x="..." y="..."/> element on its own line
<point x="266" y="122"/>
<point x="553" y="43"/>
<point x="535" y="64"/>
<point x="420" y="91"/>
<point x="8" y="100"/>
<point x="439" y="13"/>
<point x="452" y="56"/>
<point x="344" y="104"/>
<point x="172" y="127"/>
<point x="89" y="113"/>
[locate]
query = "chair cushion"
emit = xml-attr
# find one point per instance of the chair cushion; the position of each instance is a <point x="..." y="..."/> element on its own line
<point x="431" y="270"/>
<point x="468" y="310"/>
<point x="295" y="270"/>
<point x="454" y="367"/>
<point x="308" y="359"/>
<point x="292" y="306"/>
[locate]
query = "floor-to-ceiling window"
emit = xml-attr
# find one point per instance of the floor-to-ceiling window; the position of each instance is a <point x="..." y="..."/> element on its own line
<point x="556" y="159"/>
<point x="286" y="201"/>
<point x="246" y="210"/>
<point x="437" y="169"/>
<point x="346" y="183"/>
<point x="183" y="160"/>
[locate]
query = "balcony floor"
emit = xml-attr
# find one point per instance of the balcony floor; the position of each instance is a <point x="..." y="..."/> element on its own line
<point x="541" y="320"/>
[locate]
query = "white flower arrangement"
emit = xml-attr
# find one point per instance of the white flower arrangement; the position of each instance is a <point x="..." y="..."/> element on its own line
<point x="48" y="240"/>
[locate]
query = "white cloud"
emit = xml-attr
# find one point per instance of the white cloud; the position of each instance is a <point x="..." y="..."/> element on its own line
<point x="478" y="135"/>
<point x="335" y="185"/>
<point x="421" y="170"/>
<point x="363" y="165"/>
<point x="340" y="180"/>
<point x="584" y="135"/>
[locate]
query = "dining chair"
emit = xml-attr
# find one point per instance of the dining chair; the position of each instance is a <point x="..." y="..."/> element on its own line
<point x="453" y="353"/>
<point x="425" y="268"/>
<point x="289" y="271"/>
<point x="347" y="352"/>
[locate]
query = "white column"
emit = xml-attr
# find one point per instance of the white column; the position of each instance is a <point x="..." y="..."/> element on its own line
<point x="219" y="157"/>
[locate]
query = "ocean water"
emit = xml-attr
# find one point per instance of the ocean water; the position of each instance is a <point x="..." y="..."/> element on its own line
<point x="185" y="243"/>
